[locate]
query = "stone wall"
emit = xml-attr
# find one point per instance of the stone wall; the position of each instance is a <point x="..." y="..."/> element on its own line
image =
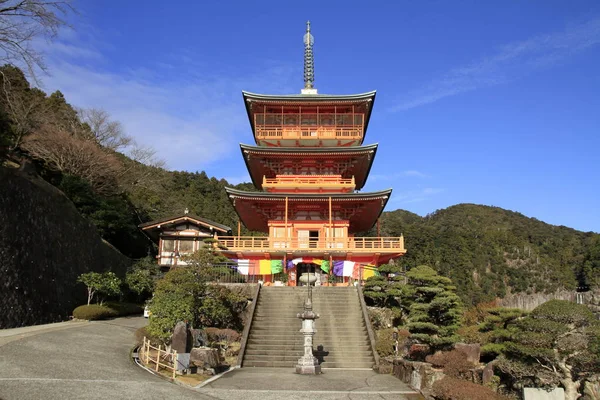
<point x="530" y="301"/>
<point x="45" y="244"/>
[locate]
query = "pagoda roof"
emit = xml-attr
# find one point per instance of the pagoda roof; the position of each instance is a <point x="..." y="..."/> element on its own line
<point x="312" y="99"/>
<point x="309" y="98"/>
<point x="372" y="205"/>
<point x="258" y="171"/>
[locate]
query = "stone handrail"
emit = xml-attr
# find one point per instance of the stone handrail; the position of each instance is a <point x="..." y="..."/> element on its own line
<point x="247" y="327"/>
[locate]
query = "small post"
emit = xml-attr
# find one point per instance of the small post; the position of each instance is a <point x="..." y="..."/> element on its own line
<point x="174" y="363"/>
<point x="147" y="344"/>
<point x="158" y="357"/>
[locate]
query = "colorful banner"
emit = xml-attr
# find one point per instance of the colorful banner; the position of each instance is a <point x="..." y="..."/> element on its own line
<point x="243" y="266"/>
<point x="338" y="268"/>
<point x="276" y="266"/>
<point x="264" y="267"/>
<point x="268" y="267"/>
<point x="324" y="264"/>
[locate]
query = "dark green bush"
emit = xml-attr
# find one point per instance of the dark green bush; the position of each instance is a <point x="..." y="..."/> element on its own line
<point x="94" y="312"/>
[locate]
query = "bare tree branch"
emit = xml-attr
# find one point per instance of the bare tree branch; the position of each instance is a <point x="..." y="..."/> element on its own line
<point x="22" y="21"/>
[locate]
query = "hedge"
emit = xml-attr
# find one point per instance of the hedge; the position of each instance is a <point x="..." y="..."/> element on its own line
<point x="456" y="389"/>
<point x="107" y="310"/>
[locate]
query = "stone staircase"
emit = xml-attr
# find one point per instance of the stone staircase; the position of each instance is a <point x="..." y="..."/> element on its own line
<point x="275" y="339"/>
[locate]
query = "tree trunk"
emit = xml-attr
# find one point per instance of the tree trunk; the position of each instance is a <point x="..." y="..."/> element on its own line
<point x="571" y="389"/>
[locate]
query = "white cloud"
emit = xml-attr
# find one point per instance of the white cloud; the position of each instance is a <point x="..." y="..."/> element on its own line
<point x="192" y="119"/>
<point x="415" y="195"/>
<point x="509" y="63"/>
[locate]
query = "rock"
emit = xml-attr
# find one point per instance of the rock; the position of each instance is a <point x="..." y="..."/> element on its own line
<point x="205" y="358"/>
<point x="488" y="373"/>
<point x="419" y="375"/>
<point x="199" y="338"/>
<point x="181" y="341"/>
<point x="472" y="351"/>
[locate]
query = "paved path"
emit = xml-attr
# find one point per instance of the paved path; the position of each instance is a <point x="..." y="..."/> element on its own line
<point x="279" y="383"/>
<point x="84" y="361"/>
<point x="90" y="360"/>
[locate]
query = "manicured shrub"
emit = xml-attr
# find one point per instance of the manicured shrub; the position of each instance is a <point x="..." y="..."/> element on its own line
<point x="453" y="362"/>
<point x="456" y="389"/>
<point x="95" y="312"/>
<point x="418" y="352"/>
<point x="384" y="342"/>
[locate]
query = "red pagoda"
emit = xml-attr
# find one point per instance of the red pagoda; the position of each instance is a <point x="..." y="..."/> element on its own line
<point x="309" y="161"/>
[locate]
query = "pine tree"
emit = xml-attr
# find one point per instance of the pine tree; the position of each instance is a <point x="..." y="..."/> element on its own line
<point x="435" y="309"/>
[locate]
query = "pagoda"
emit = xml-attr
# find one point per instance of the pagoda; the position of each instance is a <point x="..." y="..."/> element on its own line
<point x="309" y="162"/>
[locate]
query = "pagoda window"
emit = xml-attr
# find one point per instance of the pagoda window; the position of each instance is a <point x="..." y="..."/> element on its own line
<point x="326" y="120"/>
<point x="290" y="120"/>
<point x="335" y="237"/>
<point x="279" y="237"/>
<point x="308" y="119"/>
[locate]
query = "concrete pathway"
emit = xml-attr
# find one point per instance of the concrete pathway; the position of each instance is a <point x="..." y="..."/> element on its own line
<point x="90" y="360"/>
<point x="278" y="383"/>
<point x="87" y="360"/>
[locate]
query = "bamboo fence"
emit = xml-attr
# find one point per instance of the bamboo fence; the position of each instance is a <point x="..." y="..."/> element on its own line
<point x="159" y="357"/>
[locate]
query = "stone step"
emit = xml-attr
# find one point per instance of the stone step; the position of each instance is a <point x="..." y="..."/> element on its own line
<point x="292" y="357"/>
<point x="292" y="364"/>
<point x="283" y="334"/>
<point x="299" y="351"/>
<point x="329" y="329"/>
<point x="333" y="346"/>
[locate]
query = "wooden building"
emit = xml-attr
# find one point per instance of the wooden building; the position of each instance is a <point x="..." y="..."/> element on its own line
<point x="181" y="235"/>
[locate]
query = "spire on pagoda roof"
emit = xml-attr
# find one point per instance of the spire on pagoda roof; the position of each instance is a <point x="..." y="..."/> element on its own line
<point x="309" y="62"/>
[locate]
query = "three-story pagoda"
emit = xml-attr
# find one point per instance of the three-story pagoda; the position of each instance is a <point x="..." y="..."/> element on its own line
<point x="309" y="161"/>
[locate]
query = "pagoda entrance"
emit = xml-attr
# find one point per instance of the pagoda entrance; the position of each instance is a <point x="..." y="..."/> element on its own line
<point x="313" y="270"/>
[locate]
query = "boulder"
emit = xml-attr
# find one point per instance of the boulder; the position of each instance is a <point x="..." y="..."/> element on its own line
<point x="419" y="375"/>
<point x="181" y="340"/>
<point x="205" y="358"/>
<point x="472" y="351"/>
<point x="488" y="373"/>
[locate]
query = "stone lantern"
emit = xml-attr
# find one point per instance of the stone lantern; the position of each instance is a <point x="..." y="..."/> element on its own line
<point x="308" y="364"/>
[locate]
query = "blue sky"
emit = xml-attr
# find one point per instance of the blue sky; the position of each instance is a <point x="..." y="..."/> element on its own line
<point x="493" y="103"/>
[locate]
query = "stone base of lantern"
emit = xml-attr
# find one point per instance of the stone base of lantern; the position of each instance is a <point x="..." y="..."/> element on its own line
<point x="308" y="366"/>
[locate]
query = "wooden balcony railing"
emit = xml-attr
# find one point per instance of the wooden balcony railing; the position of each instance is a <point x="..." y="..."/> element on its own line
<point x="356" y="245"/>
<point x="334" y="182"/>
<point x="303" y="132"/>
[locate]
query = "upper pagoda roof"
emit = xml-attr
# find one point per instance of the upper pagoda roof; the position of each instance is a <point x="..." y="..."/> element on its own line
<point x="372" y="204"/>
<point x="309" y="99"/>
<point x="364" y="156"/>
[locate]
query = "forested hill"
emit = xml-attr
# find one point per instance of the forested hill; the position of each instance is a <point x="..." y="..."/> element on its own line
<point x="118" y="184"/>
<point x="491" y="252"/>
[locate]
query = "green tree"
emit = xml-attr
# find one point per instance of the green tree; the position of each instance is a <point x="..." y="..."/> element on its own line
<point x="142" y="276"/>
<point x="498" y="325"/>
<point x="557" y="344"/>
<point x="177" y="297"/>
<point x="107" y="284"/>
<point x="435" y="309"/>
<point x="184" y="295"/>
